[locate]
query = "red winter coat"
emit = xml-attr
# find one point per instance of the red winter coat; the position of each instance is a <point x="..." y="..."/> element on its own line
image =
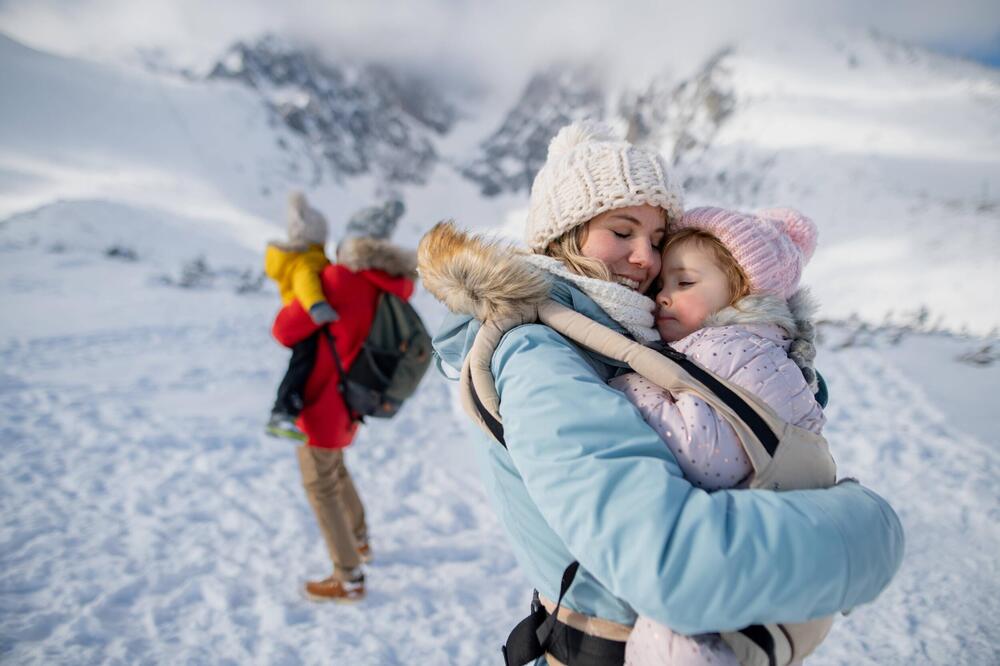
<point x="354" y="295"/>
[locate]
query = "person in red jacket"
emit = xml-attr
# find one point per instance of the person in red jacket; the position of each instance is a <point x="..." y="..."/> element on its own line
<point x="367" y="265"/>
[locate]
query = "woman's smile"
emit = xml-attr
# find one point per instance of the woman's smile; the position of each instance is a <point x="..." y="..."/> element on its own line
<point x="631" y="283"/>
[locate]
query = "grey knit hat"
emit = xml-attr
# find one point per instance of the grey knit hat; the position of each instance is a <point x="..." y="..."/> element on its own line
<point x="306" y="225"/>
<point x="377" y="222"/>
<point x="588" y="171"/>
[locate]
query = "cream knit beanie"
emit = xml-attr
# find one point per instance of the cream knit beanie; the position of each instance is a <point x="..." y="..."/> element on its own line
<point x="589" y="171"/>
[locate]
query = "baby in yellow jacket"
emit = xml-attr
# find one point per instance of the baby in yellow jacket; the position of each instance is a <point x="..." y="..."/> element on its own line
<point x="296" y="265"/>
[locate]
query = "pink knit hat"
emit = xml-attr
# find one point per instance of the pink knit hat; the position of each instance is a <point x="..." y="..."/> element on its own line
<point x="771" y="245"/>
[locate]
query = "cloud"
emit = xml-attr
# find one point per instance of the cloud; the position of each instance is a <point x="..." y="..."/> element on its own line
<point x="502" y="42"/>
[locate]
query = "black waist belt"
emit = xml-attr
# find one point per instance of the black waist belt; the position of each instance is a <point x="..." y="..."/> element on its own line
<point x="542" y="632"/>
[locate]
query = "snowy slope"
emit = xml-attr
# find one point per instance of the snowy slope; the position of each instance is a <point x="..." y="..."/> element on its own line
<point x="145" y="519"/>
<point x="78" y="130"/>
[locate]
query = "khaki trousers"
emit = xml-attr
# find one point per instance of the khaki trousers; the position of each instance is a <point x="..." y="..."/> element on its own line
<point x="335" y="502"/>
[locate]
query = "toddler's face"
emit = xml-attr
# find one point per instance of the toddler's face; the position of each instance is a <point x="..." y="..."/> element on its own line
<point x="694" y="287"/>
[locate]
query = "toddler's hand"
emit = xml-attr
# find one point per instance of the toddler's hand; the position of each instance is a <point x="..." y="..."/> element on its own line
<point x="322" y="313"/>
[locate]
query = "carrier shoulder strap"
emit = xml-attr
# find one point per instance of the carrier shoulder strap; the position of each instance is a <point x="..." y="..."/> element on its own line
<point x="756" y="425"/>
<point x="477" y="387"/>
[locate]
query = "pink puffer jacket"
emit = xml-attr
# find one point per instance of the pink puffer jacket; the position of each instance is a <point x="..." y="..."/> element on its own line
<point x="749" y="346"/>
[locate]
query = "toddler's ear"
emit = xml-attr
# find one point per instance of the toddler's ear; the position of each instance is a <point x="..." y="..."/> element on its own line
<point x="799" y="228"/>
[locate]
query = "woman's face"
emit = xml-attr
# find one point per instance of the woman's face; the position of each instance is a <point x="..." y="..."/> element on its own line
<point x="628" y="241"/>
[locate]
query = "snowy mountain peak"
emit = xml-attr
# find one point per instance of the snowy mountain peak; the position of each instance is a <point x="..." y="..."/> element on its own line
<point x="675" y="116"/>
<point x="508" y="159"/>
<point x="680" y="116"/>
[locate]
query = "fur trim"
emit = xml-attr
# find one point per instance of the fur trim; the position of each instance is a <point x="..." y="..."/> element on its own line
<point x="472" y="275"/>
<point x="755" y="309"/>
<point x="359" y="254"/>
<point x="794" y="315"/>
<point x="803" y="348"/>
<point x="803" y="305"/>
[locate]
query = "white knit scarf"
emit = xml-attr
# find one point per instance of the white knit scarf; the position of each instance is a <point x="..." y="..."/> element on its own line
<point x="626" y="306"/>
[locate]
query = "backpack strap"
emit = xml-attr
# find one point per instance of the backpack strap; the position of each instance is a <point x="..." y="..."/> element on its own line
<point x="332" y="341"/>
<point x="341" y="374"/>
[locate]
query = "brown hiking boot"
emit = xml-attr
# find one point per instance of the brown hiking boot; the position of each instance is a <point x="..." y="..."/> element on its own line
<point x="332" y="589"/>
<point x="365" y="552"/>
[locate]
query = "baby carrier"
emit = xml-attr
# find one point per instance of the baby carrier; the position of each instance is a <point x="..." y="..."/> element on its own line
<point x="783" y="457"/>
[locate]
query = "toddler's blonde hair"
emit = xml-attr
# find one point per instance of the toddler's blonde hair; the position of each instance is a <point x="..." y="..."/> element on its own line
<point x="739" y="284"/>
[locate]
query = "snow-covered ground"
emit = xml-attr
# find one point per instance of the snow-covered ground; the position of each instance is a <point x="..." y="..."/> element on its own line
<point x="146" y="519"/>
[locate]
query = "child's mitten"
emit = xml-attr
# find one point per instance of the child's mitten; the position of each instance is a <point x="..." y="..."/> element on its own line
<point x="322" y="313"/>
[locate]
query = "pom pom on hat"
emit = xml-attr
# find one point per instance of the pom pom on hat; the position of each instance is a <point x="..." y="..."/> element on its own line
<point x="799" y="228"/>
<point x="591" y="170"/>
<point x="571" y="136"/>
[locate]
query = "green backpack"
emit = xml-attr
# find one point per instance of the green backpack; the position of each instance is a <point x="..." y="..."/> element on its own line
<point x="390" y="364"/>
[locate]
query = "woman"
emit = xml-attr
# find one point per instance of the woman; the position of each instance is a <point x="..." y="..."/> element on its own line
<point x="367" y="265"/>
<point x="583" y="478"/>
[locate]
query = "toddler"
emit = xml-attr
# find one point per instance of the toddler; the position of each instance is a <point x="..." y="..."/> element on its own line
<point x="296" y="266"/>
<point x="730" y="301"/>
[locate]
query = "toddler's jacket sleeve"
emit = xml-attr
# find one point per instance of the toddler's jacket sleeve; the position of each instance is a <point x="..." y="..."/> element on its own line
<point x="306" y="283"/>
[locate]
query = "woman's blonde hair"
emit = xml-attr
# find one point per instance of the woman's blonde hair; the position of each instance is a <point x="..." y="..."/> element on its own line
<point x="568" y="249"/>
<point x="739" y="284"/>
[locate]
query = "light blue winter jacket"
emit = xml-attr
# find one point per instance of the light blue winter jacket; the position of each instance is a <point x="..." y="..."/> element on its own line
<point x="584" y="477"/>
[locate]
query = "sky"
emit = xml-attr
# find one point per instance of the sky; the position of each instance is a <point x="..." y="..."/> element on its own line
<point x="487" y="39"/>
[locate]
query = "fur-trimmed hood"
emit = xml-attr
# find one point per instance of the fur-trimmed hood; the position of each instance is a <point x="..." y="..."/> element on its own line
<point x="359" y="254"/>
<point x="794" y="317"/>
<point x="479" y="277"/>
